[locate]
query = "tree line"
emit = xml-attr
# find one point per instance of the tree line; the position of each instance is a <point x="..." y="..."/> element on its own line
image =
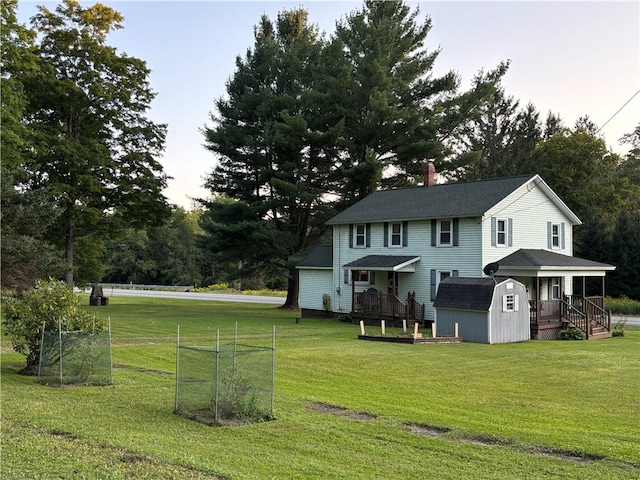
<point x="309" y="124"/>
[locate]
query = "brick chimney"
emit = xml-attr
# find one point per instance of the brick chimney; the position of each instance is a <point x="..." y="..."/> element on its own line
<point x="429" y="171"/>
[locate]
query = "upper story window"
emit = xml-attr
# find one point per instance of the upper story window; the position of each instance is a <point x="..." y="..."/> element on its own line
<point x="555" y="236"/>
<point x="501" y="232"/>
<point x="445" y="233"/>
<point x="359" y="235"/>
<point x="395" y="234"/>
<point x="501" y="235"/>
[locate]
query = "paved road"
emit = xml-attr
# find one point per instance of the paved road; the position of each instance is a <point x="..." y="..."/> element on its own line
<point x="221" y="297"/>
<point x="234" y="297"/>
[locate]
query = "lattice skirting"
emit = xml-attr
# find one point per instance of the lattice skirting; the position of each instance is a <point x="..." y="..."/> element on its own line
<point x="546" y="334"/>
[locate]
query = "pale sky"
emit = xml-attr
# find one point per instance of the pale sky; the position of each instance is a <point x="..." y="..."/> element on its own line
<point x="570" y="58"/>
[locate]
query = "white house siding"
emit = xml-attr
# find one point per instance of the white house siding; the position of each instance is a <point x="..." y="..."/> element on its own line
<point x="530" y="211"/>
<point x="313" y="284"/>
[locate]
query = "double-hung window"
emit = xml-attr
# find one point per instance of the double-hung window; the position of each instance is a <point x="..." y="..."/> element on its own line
<point x="555" y="235"/>
<point x="501" y="232"/>
<point x="445" y="233"/>
<point x="359" y="235"/>
<point x="395" y="234"/>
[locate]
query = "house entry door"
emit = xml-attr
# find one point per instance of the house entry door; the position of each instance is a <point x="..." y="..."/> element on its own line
<point x="392" y="283"/>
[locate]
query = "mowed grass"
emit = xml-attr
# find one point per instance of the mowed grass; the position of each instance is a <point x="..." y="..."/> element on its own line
<point x="344" y="408"/>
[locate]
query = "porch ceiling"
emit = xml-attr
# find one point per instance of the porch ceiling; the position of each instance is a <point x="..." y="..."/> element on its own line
<point x="393" y="263"/>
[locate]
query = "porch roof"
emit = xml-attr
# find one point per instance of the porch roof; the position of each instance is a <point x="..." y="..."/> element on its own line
<point x="394" y="263"/>
<point x="545" y="261"/>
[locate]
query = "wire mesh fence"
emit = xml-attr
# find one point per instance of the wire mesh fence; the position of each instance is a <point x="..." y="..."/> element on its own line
<point x="225" y="382"/>
<point x="75" y="358"/>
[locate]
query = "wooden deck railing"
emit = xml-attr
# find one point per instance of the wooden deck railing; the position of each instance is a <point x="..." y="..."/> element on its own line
<point x="386" y="305"/>
<point x="582" y="312"/>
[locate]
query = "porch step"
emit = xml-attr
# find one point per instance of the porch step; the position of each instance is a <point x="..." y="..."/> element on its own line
<point x="600" y="335"/>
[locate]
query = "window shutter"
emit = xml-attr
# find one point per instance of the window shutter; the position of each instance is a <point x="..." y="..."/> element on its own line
<point x="562" y="235"/>
<point x="386" y="234"/>
<point x="405" y="233"/>
<point x="367" y="230"/>
<point x="433" y="285"/>
<point x="346" y="277"/>
<point x="372" y="277"/>
<point x="434" y="232"/>
<point x="456" y="228"/>
<point x="504" y="303"/>
<point x="510" y="232"/>
<point x="350" y="236"/>
<point x="515" y="302"/>
<point x="494" y="230"/>
<point x="549" y="245"/>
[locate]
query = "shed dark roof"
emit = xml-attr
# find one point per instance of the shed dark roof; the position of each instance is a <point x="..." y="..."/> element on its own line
<point x="383" y="262"/>
<point x="527" y="258"/>
<point x="320" y="256"/>
<point x="465" y="293"/>
<point x="463" y="199"/>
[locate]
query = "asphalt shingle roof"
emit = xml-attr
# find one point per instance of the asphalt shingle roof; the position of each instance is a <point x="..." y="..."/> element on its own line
<point x="320" y="256"/>
<point x="465" y="293"/>
<point x="383" y="262"/>
<point x="463" y="199"/>
<point x="532" y="258"/>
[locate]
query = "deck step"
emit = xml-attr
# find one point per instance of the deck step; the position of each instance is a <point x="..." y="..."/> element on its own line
<point x="600" y="335"/>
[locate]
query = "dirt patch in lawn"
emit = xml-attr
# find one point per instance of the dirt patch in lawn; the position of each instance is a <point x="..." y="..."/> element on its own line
<point x="337" y="410"/>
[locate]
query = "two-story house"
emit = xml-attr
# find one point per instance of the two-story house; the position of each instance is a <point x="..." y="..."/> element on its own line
<point x="392" y="249"/>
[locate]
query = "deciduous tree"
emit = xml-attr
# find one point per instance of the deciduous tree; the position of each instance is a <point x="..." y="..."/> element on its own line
<point x="94" y="148"/>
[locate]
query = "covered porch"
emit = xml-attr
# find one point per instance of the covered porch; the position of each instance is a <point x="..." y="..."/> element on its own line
<point x="381" y="299"/>
<point x="557" y="292"/>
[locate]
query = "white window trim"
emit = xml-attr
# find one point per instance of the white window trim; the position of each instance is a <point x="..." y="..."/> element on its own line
<point x="439" y="275"/>
<point x="363" y="235"/>
<point x="391" y="234"/>
<point x="556" y="237"/>
<point x="554" y="282"/>
<point x="505" y="232"/>
<point x="439" y="236"/>
<point x="510" y="302"/>
<point x="360" y="282"/>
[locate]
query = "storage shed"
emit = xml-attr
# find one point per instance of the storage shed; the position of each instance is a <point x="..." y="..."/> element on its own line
<point x="487" y="310"/>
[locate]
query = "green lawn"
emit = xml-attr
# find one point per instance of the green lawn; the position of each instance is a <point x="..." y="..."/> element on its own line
<point x="541" y="409"/>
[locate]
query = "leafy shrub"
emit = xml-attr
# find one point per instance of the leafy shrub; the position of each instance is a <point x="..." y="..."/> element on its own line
<point x="52" y="304"/>
<point x="344" y="317"/>
<point x="238" y="400"/>
<point x="618" y="328"/>
<point x="571" y="333"/>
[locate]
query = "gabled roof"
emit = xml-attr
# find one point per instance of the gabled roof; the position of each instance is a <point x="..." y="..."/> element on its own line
<point x="466" y="293"/>
<point x="383" y="262"/>
<point x="320" y="256"/>
<point x="461" y="199"/>
<point x="532" y="259"/>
